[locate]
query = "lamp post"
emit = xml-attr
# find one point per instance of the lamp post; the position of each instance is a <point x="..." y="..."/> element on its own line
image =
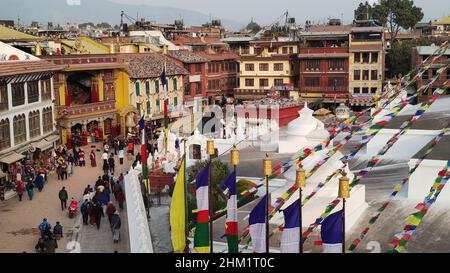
<point x="300" y="180"/>
<point x="234" y="157"/>
<point x="185" y="195"/>
<point x="267" y="162"/>
<point x="344" y="192"/>
<point x="211" y="152"/>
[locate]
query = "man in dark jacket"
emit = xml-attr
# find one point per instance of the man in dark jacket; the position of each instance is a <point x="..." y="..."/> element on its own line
<point x="63" y="196"/>
<point x="50" y="244"/>
<point x="85" y="211"/>
<point x="98" y="213"/>
<point x="111" y="163"/>
<point x="115" y="227"/>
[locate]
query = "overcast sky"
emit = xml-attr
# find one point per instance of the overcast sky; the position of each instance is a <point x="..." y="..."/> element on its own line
<point x="267" y="11"/>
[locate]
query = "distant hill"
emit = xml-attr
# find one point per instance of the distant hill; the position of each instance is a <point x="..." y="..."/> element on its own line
<point x="97" y="11"/>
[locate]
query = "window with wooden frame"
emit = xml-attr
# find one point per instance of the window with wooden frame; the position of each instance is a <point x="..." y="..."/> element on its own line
<point x="312" y="65"/>
<point x="3" y="97"/>
<point x="34" y="122"/>
<point x="336" y="65"/>
<point x="278" y="67"/>
<point x="263" y="67"/>
<point x="249" y="82"/>
<point x="312" y="82"/>
<point x="33" y="91"/>
<point x="46" y="90"/>
<point x="47" y="117"/>
<point x="263" y="82"/>
<point x="20" y="133"/>
<point x="249" y="67"/>
<point x="18" y="94"/>
<point x="5" y="139"/>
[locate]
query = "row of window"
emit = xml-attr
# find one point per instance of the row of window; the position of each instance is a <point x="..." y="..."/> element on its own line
<point x="363" y="75"/>
<point x="426" y="75"/>
<point x="263" y="82"/>
<point x="333" y="65"/>
<point x="366" y="57"/>
<point x="264" y="67"/>
<point x="157" y="85"/>
<point x="158" y="106"/>
<point x="217" y="67"/>
<point x="18" y="93"/>
<point x="231" y="82"/>
<point x="332" y="82"/>
<point x="19" y="127"/>
<point x="364" y="90"/>
<point x="197" y="86"/>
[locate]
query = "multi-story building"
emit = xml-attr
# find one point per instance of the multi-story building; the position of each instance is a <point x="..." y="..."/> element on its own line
<point x="442" y="27"/>
<point x="146" y="91"/>
<point x="419" y="54"/>
<point x="221" y="74"/>
<point x="27" y="120"/>
<point x="268" y="66"/>
<point x="85" y="91"/>
<point x="324" y="64"/>
<point x="195" y="83"/>
<point x="366" y="64"/>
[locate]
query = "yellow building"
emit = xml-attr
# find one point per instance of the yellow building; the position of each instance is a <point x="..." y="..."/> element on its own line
<point x="268" y="66"/>
<point x="146" y="91"/>
<point x="83" y="45"/>
<point x="442" y="27"/>
<point x="366" y="63"/>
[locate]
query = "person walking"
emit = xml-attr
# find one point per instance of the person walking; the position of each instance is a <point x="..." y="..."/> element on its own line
<point x="59" y="172"/>
<point x="39" y="181"/>
<point x="121" y="156"/>
<point x="30" y="191"/>
<point x="98" y="213"/>
<point x="58" y="231"/>
<point x="50" y="244"/>
<point x="105" y="167"/>
<point x="85" y="211"/>
<point x="82" y="158"/>
<point x="111" y="163"/>
<point x="44" y="226"/>
<point x="121" y="199"/>
<point x="63" y="196"/>
<point x="110" y="210"/>
<point x="20" y="188"/>
<point x="115" y="226"/>
<point x="76" y="156"/>
<point x="93" y="161"/>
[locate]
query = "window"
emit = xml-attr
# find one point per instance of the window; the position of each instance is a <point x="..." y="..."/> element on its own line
<point x="357" y="75"/>
<point x="278" y="67"/>
<point x="278" y="82"/>
<point x="158" y="106"/>
<point x="312" y="82"/>
<point x="373" y="90"/>
<point x="365" y="90"/>
<point x="138" y="88"/>
<point x="198" y="68"/>
<point x="33" y="91"/>
<point x="285" y="50"/>
<point x="149" y="107"/>
<point x="291" y="50"/>
<point x="356" y="90"/>
<point x="138" y="106"/>
<point x="249" y="82"/>
<point x="312" y="65"/>
<point x="46" y="90"/>
<point x="433" y="72"/>
<point x="5" y="141"/>
<point x="425" y="76"/>
<point x="47" y="116"/>
<point x="448" y="73"/>
<point x="35" y="124"/>
<point x="18" y="94"/>
<point x="249" y="67"/>
<point x="20" y="133"/>
<point x="107" y="123"/>
<point x="338" y="82"/>
<point x="365" y="76"/>
<point x="365" y="57"/>
<point x="374" y="75"/>
<point x="157" y="86"/>
<point x="147" y="87"/>
<point x="374" y="57"/>
<point x="263" y="82"/>
<point x="264" y="67"/>
<point x="337" y="64"/>
<point x="175" y="84"/>
<point x="3" y="97"/>
<point x="357" y="57"/>
<point x="175" y="101"/>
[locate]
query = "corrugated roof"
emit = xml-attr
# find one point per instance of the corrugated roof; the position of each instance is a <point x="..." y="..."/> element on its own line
<point x="151" y="65"/>
<point x="186" y="56"/>
<point x="26" y="67"/>
<point x="429" y="50"/>
<point x="8" y="34"/>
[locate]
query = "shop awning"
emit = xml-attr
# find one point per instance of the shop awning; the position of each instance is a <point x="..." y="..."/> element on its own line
<point x="52" y="139"/>
<point x="43" y="145"/>
<point x="2" y="174"/>
<point x="11" y="158"/>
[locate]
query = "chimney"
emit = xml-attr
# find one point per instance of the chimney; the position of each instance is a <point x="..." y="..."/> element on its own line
<point x="37" y="50"/>
<point x="165" y="49"/>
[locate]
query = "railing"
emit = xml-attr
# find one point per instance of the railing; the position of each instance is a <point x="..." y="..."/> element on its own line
<point x="87" y="108"/>
<point x="318" y="50"/>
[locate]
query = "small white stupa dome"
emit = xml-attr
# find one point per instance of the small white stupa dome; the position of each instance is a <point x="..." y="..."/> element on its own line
<point x="305" y="123"/>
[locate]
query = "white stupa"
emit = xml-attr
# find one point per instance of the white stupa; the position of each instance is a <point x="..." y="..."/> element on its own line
<point x="304" y="131"/>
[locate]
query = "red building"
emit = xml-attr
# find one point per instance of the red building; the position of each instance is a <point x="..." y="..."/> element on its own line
<point x="419" y="54"/>
<point x="195" y="84"/>
<point x="324" y="64"/>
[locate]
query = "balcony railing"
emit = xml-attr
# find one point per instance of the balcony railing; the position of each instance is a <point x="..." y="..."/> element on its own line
<point x="319" y="50"/>
<point x="87" y="108"/>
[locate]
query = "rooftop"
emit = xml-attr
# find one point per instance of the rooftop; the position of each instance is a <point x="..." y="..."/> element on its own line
<point x="151" y="65"/>
<point x="218" y="56"/>
<point x="8" y="35"/>
<point x="26" y="67"/>
<point x="429" y="50"/>
<point x="440" y="152"/>
<point x="187" y="56"/>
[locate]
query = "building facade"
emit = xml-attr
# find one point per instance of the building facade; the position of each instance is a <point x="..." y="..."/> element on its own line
<point x="366" y="64"/>
<point x="269" y="66"/>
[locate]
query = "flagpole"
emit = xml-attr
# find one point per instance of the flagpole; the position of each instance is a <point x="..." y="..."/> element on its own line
<point x="183" y="162"/>
<point x="300" y="180"/>
<point x="267" y="163"/>
<point x="344" y="192"/>
<point x="343" y="225"/>
<point x="211" y="152"/>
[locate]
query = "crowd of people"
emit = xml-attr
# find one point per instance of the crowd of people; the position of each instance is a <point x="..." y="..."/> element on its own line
<point x="47" y="242"/>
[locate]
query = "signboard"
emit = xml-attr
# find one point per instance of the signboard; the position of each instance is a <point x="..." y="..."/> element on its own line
<point x="285" y="87"/>
<point x="195" y="78"/>
<point x="338" y="96"/>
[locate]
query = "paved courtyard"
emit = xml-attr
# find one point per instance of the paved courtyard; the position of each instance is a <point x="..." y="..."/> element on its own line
<point x="19" y="220"/>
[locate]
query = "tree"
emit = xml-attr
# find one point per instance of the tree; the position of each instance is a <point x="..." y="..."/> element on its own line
<point x="397" y="14"/>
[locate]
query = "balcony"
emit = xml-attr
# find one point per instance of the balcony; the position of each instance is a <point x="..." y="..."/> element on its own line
<point x="87" y="108"/>
<point x="322" y="50"/>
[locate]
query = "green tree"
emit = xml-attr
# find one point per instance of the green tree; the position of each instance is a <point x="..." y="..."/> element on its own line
<point x="397" y="14"/>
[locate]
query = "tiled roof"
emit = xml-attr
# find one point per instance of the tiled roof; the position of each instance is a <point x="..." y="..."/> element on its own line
<point x="26" y="67"/>
<point x="186" y="56"/>
<point x="218" y="56"/>
<point x="151" y="65"/>
<point x="326" y="28"/>
<point x="367" y="47"/>
<point x="182" y="40"/>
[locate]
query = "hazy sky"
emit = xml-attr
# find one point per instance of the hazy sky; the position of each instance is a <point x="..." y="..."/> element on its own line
<point x="267" y="11"/>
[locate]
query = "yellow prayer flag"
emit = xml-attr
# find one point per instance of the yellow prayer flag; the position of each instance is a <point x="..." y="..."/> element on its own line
<point x="398" y="187"/>
<point x="413" y="220"/>
<point x="178" y="214"/>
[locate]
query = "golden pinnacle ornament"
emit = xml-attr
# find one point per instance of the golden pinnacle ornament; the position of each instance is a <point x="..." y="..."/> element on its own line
<point x="210" y="147"/>
<point x="300" y="177"/>
<point x="344" y="187"/>
<point x="267" y="165"/>
<point x="234" y="156"/>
